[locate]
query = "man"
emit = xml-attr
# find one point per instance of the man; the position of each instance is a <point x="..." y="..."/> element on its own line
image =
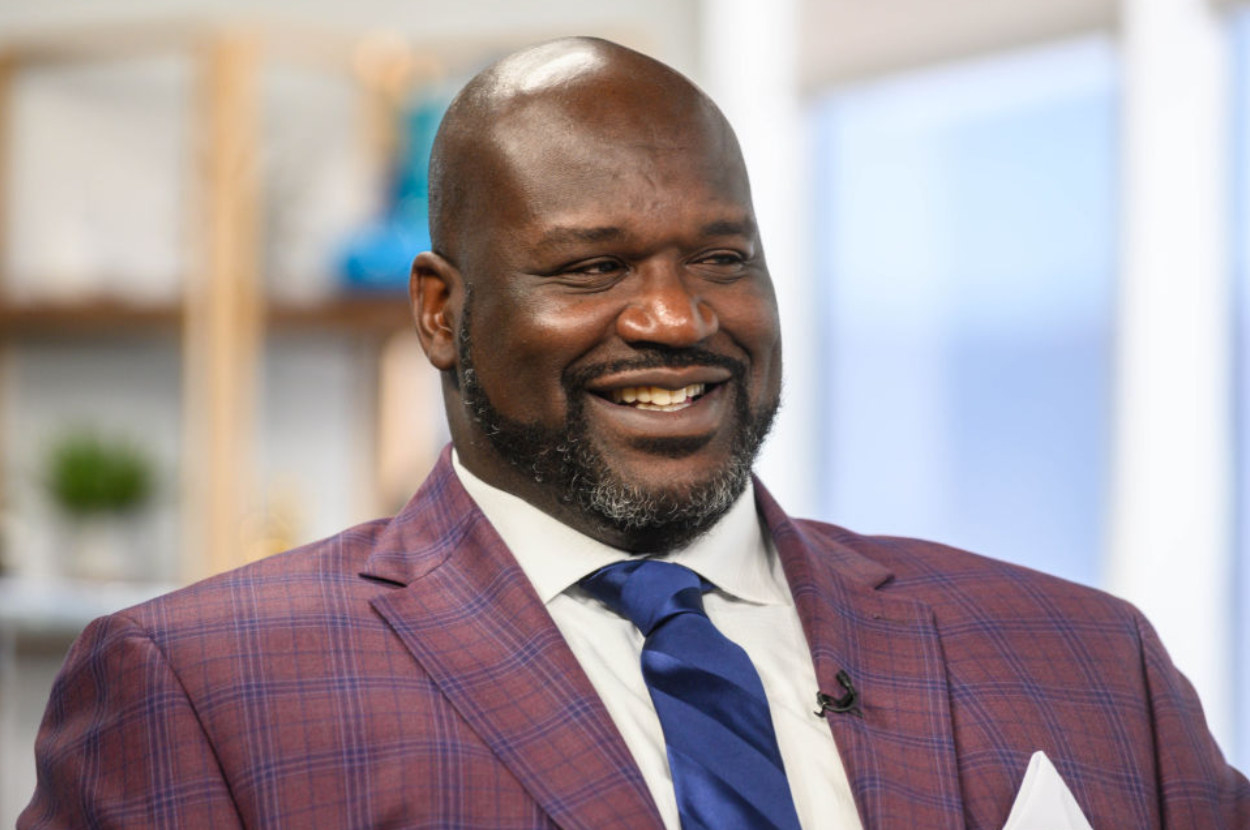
<point x="599" y="307"/>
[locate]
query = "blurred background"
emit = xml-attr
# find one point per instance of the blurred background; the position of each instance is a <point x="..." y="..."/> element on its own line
<point x="1010" y="243"/>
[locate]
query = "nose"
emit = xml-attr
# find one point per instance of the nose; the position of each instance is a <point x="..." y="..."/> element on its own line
<point x="666" y="312"/>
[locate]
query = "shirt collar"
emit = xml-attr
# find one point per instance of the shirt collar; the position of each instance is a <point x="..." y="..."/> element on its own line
<point x="735" y="555"/>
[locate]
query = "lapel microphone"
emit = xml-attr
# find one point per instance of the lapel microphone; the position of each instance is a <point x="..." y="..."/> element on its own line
<point x="848" y="702"/>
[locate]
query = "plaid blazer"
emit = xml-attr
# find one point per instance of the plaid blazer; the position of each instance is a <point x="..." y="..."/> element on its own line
<point x="405" y="674"/>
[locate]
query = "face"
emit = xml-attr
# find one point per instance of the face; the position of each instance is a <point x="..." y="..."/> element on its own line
<point x="618" y="345"/>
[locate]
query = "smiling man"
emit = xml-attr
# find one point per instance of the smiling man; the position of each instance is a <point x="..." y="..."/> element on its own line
<point x="590" y="616"/>
<point x="593" y="230"/>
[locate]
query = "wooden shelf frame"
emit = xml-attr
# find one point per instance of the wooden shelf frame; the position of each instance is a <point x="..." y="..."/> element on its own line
<point x="223" y="317"/>
<point x="370" y="315"/>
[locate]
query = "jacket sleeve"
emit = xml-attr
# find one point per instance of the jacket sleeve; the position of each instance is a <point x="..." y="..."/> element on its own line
<point x="121" y="745"/>
<point x="1197" y="787"/>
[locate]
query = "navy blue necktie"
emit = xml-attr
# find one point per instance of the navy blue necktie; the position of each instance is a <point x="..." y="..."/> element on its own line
<point x="727" y="770"/>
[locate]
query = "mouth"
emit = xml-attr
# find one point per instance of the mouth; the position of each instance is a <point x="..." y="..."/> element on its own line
<point x="670" y="412"/>
<point x="658" y="398"/>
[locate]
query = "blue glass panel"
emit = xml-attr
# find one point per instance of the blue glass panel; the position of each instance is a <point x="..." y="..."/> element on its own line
<point x="967" y="237"/>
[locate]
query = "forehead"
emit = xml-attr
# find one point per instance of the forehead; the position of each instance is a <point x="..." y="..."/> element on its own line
<point x="612" y="164"/>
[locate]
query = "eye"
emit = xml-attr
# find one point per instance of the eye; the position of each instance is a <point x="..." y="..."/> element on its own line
<point x="591" y="274"/>
<point x="723" y="258"/>
<point x="595" y="268"/>
<point x="722" y="264"/>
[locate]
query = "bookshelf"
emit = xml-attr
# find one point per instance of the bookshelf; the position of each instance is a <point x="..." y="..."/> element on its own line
<point x="222" y="319"/>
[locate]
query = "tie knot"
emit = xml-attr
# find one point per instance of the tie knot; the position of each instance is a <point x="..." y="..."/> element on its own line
<point x="648" y="591"/>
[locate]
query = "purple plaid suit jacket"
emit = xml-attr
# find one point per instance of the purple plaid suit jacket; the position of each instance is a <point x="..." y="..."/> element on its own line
<point x="405" y="674"/>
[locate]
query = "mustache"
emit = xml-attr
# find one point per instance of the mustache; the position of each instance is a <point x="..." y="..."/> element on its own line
<point x="654" y="358"/>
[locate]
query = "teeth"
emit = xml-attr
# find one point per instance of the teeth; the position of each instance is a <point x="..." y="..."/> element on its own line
<point x="657" y="399"/>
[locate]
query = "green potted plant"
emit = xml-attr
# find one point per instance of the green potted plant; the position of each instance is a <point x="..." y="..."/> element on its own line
<point x="100" y="485"/>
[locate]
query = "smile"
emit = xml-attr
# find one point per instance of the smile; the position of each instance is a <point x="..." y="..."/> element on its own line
<point x="657" y="398"/>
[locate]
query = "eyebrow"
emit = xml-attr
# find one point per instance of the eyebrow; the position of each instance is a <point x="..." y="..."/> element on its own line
<point x="567" y="234"/>
<point x="726" y="227"/>
<point x="564" y="235"/>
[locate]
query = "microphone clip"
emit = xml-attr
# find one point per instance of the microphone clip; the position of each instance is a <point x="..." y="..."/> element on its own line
<point x="848" y="702"/>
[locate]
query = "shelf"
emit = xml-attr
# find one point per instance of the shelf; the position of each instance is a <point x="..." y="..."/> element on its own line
<point x="102" y="317"/>
<point x="381" y="313"/>
<point x="218" y="322"/>
<point x="377" y="313"/>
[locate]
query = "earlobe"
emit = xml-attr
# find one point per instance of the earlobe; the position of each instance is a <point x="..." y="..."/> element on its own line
<point x="436" y="291"/>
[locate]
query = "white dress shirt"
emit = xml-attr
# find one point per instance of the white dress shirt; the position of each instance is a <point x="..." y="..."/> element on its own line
<point x="751" y="605"/>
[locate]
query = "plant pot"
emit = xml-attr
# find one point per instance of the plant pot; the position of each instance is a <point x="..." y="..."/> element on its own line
<point x="104" y="547"/>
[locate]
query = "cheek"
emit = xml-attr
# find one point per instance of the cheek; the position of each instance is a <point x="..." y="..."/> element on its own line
<point x="527" y="344"/>
<point x="555" y="327"/>
<point x="768" y="370"/>
<point x="760" y="337"/>
<point x="752" y="321"/>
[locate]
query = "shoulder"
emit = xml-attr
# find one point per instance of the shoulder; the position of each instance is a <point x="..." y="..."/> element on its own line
<point x="251" y="638"/>
<point x="312" y="585"/>
<point x="960" y="584"/>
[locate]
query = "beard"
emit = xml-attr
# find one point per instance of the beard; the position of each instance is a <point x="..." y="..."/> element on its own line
<point x="651" y="516"/>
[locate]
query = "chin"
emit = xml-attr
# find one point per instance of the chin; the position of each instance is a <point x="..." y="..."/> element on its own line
<point x="658" y="516"/>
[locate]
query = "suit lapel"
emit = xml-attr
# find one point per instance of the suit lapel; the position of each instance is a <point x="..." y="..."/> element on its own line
<point x="471" y="618"/>
<point x="900" y="756"/>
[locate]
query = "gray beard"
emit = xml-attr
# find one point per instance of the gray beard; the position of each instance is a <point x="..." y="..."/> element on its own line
<point x="651" y="517"/>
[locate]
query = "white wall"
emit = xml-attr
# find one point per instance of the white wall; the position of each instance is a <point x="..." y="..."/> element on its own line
<point x="666" y="28"/>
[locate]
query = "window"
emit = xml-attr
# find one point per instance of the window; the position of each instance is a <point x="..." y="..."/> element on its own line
<point x="966" y="236"/>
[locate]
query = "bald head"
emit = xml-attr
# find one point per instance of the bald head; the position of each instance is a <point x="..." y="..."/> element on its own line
<point x="570" y="97"/>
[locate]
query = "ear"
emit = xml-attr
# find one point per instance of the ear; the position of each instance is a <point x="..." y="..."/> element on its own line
<point x="436" y="291"/>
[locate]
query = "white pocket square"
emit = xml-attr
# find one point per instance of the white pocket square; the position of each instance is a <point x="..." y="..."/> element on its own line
<point x="1044" y="801"/>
